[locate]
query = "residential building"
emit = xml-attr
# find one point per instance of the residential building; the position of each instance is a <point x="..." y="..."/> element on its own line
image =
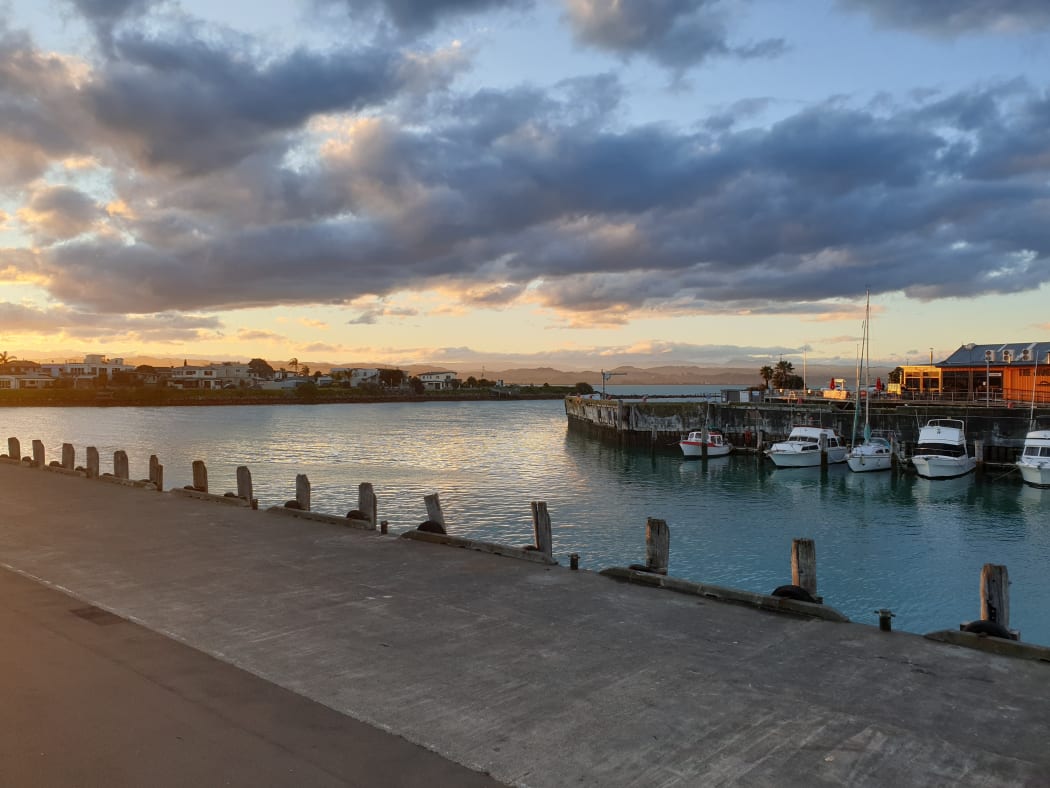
<point x="30" y="381"/>
<point x="211" y="376"/>
<point x="437" y="381"/>
<point x="93" y="368"/>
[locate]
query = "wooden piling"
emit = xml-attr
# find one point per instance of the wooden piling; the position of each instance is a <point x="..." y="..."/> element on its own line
<point x="804" y="565"/>
<point x="39" y="460"/>
<point x="367" y="503"/>
<point x="156" y="472"/>
<point x="92" y="462"/>
<point x="69" y="456"/>
<point x="14" y="449"/>
<point x="995" y="594"/>
<point x="541" y="527"/>
<point x="302" y="491"/>
<point x="657" y="545"/>
<point x="120" y="464"/>
<point x="823" y="451"/>
<point x="200" y="476"/>
<point x="434" y="512"/>
<point x="244" y="484"/>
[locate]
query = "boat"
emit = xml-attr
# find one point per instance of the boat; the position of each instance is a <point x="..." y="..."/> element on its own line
<point x="1034" y="464"/>
<point x="717" y="445"/>
<point x="941" y="451"/>
<point x="876" y="452"/>
<point x="802" y="448"/>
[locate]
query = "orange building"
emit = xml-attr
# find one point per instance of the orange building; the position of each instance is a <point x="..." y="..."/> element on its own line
<point x="1014" y="372"/>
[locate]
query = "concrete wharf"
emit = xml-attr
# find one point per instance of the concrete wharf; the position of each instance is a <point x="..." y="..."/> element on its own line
<point x="534" y="674"/>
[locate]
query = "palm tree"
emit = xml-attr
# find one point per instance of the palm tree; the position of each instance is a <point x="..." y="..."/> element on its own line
<point x="782" y="371"/>
<point x="766" y="373"/>
<point x="294" y="364"/>
<point x="5" y="357"/>
<point x="305" y="370"/>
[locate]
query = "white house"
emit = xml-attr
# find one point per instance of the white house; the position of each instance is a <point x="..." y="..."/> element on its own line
<point x="92" y="367"/>
<point x="436" y="381"/>
<point x="210" y="376"/>
<point x="11" y="382"/>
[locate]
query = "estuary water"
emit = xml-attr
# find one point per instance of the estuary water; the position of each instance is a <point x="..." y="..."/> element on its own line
<point x="910" y="545"/>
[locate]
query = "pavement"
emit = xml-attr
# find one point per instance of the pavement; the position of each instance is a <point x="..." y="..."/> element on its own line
<point x="535" y="675"/>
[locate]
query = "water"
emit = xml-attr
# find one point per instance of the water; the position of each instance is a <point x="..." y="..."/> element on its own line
<point x="911" y="545"/>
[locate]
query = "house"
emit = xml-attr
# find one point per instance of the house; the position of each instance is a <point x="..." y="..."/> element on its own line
<point x="211" y="376"/>
<point x="93" y="368"/>
<point x="438" y="381"/>
<point x="30" y="381"/>
<point x="356" y="376"/>
<point x="1014" y="371"/>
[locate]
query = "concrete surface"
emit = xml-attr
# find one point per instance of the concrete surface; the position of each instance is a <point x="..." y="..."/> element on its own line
<point x="540" y="675"/>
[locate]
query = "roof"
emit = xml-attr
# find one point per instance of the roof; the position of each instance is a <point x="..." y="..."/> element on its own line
<point x="1020" y="353"/>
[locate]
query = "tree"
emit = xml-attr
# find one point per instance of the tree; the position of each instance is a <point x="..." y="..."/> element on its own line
<point x="260" y="369"/>
<point x="5" y="357"/>
<point x="781" y="372"/>
<point x="584" y="388"/>
<point x="766" y="373"/>
<point x="392" y="378"/>
<point x="471" y="382"/>
<point x="305" y="370"/>
<point x="416" y="384"/>
<point x="897" y="375"/>
<point x="294" y="364"/>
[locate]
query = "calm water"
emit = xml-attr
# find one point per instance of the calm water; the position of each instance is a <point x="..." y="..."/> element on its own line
<point x="911" y="545"/>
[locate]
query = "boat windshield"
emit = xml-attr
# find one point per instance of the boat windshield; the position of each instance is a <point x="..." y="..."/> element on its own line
<point x="941" y="449"/>
<point x="1037" y="451"/>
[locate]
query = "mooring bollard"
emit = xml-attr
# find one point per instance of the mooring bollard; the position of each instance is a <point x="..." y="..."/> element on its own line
<point x="244" y="484"/>
<point x="156" y="472"/>
<point x="14" y="449"/>
<point x="885" y="619"/>
<point x="38" y="454"/>
<point x="367" y="503"/>
<point x="383" y="527"/>
<point x="657" y="545"/>
<point x="302" y="491"/>
<point x="574" y="560"/>
<point x="120" y="464"/>
<point x="200" y="476"/>
<point x="69" y="456"/>
<point x="541" y="527"/>
<point x="804" y="565"/>
<point x="92" y="462"/>
<point x="434" y="512"/>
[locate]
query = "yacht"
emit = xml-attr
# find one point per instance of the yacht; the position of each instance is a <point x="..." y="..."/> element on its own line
<point x="1034" y="464"/>
<point x="941" y="451"/>
<point x="802" y="448"/>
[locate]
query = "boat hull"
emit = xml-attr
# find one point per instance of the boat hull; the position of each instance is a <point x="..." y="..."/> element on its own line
<point x="1034" y="475"/>
<point x="806" y="459"/>
<point x="694" y="449"/>
<point x="863" y="463"/>
<point x="931" y="466"/>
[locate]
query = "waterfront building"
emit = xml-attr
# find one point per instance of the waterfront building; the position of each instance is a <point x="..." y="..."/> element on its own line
<point x="211" y="376"/>
<point x="438" y="381"/>
<point x="1014" y="372"/>
<point x="93" y="368"/>
<point x="28" y="381"/>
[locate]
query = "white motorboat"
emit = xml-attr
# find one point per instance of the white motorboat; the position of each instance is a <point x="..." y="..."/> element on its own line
<point x="1034" y="464"/>
<point x="802" y="448"/>
<point x="875" y="454"/>
<point x="941" y="451"/>
<point x="717" y="445"/>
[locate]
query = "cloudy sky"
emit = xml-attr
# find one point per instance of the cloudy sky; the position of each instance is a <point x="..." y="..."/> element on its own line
<point x="537" y="182"/>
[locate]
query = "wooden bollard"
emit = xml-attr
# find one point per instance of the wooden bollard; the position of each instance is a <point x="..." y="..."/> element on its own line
<point x="120" y="464"/>
<point x="823" y="443"/>
<point x="156" y="472"/>
<point x="302" y="491"/>
<point x="200" y="476"/>
<point x="244" y="484"/>
<point x="92" y="462"/>
<point x="434" y="513"/>
<point x="69" y="456"/>
<point x="39" y="460"/>
<point x="657" y="545"/>
<point x="541" y="527"/>
<point x="995" y="594"/>
<point x="14" y="449"/>
<point x="367" y="503"/>
<point x="804" y="565"/>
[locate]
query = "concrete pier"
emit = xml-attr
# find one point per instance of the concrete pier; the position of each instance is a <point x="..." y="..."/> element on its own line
<point x="536" y="674"/>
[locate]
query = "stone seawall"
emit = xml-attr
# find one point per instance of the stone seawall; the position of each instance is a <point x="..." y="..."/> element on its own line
<point x="659" y="425"/>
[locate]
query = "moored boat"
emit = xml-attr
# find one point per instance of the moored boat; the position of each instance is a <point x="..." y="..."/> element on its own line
<point x="717" y="445"/>
<point x="941" y="451"/>
<point x="874" y="454"/>
<point x="802" y="448"/>
<point x="1034" y="463"/>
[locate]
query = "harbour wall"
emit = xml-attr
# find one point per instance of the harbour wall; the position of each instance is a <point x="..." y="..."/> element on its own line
<point x="659" y="425"/>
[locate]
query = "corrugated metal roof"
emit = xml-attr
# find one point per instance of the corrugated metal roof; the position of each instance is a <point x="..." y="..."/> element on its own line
<point x="999" y="354"/>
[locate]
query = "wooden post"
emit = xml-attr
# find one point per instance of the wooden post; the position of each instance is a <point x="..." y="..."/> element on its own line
<point x="200" y="476"/>
<point x="995" y="594"/>
<point x="14" y="449"/>
<point x="69" y="456"/>
<point x="657" y="545"/>
<point x="823" y="451"/>
<point x="541" y="527"/>
<point x="978" y="454"/>
<point x="156" y="472"/>
<point x="92" y="462"/>
<point x="434" y="509"/>
<point x="804" y="565"/>
<point x="367" y="503"/>
<point x="703" y="444"/>
<point x="244" y="484"/>
<point x="302" y="491"/>
<point x="38" y="454"/>
<point x="120" y="464"/>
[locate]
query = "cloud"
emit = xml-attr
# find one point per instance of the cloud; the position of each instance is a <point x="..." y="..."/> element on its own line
<point x="61" y="321"/>
<point x="421" y="16"/>
<point x="954" y="17"/>
<point x="373" y="315"/>
<point x="58" y="213"/>
<point x="310" y="323"/>
<point x="677" y="34"/>
<point x="259" y="335"/>
<point x="104" y="15"/>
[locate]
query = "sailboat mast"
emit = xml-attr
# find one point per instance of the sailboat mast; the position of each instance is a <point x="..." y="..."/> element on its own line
<point x="867" y="362"/>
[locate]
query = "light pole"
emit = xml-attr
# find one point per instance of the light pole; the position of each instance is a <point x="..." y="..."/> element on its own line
<point x="987" y="380"/>
<point x="969" y="384"/>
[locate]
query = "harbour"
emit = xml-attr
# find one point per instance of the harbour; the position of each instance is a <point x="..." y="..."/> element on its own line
<point x="884" y="541"/>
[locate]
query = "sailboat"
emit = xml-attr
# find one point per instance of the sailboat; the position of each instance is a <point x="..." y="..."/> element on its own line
<point x="876" y="452"/>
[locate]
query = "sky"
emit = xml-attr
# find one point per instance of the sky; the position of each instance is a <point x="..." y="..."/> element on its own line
<point x="564" y="183"/>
